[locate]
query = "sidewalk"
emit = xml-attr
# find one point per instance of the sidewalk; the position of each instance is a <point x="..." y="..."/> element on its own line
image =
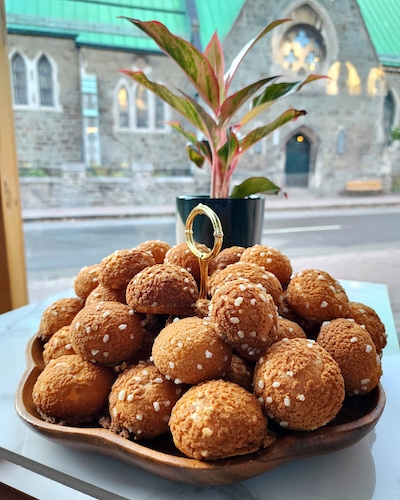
<point x="296" y="200"/>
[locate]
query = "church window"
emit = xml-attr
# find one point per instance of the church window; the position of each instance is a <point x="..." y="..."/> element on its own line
<point x="142" y="107"/>
<point x="139" y="110"/>
<point x="19" y="80"/>
<point x="45" y="82"/>
<point x="160" y="113"/>
<point x="388" y="116"/>
<point x="123" y="108"/>
<point x="303" y="49"/>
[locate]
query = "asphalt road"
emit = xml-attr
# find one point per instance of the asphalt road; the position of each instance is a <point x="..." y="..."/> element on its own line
<point x="59" y="249"/>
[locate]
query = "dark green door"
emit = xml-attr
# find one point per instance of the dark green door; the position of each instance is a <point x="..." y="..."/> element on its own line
<point x="297" y="161"/>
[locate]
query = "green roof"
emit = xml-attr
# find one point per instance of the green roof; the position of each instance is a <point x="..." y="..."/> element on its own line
<point x="382" y="19"/>
<point x="216" y="15"/>
<point x="96" y="22"/>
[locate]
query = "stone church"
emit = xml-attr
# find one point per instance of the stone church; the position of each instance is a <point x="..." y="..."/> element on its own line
<point x="88" y="135"/>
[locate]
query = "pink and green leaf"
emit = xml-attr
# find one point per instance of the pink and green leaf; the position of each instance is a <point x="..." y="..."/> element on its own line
<point x="312" y="78"/>
<point x="229" y="151"/>
<point x="194" y="64"/>
<point x="259" y="133"/>
<point x="185" y="106"/>
<point x="240" y="56"/>
<point x="201" y="147"/>
<point x="215" y="56"/>
<point x="273" y="93"/>
<point x="194" y="156"/>
<point x="234" y="102"/>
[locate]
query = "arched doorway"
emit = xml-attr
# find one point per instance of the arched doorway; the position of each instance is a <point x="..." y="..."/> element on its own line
<point x="297" y="165"/>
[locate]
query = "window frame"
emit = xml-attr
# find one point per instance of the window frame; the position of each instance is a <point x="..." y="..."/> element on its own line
<point x="16" y="57"/>
<point x="151" y="114"/>
<point x="45" y="82"/>
<point x="33" y="82"/>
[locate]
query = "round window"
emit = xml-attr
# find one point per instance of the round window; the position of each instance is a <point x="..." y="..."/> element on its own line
<point x="302" y="49"/>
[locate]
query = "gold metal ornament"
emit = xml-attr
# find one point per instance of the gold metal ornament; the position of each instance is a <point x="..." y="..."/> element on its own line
<point x="204" y="257"/>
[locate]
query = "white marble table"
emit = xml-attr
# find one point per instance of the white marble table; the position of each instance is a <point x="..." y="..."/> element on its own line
<point x="369" y="469"/>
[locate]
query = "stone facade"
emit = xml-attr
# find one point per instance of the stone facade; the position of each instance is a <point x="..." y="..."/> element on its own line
<point x="344" y="125"/>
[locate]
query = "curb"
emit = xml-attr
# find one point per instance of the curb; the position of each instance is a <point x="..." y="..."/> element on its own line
<point x="272" y="205"/>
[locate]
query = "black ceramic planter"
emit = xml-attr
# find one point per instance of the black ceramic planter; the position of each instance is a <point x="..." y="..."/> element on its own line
<point x="241" y="219"/>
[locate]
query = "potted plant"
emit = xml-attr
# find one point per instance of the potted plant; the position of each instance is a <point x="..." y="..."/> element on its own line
<point x="219" y="119"/>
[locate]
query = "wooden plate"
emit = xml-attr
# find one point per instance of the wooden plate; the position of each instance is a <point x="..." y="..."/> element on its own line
<point x="357" y="418"/>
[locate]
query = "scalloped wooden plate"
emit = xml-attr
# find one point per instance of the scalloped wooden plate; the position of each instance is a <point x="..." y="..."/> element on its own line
<point x="357" y="418"/>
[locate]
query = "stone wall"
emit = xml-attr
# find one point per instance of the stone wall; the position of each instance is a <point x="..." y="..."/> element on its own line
<point x="47" y="137"/>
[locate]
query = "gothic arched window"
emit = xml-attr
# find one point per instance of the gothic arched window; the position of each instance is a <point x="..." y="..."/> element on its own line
<point x="142" y="107"/>
<point x="138" y="109"/>
<point x="388" y="116"/>
<point x="19" y="80"/>
<point x="123" y="108"/>
<point x="45" y="82"/>
<point x="160" y="113"/>
<point x="303" y="49"/>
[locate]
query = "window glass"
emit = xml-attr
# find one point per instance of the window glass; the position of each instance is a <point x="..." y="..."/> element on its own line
<point x="142" y="106"/>
<point x="123" y="108"/>
<point x="388" y="116"/>
<point x="303" y="49"/>
<point x="19" y="80"/>
<point x="45" y="82"/>
<point x="160" y="113"/>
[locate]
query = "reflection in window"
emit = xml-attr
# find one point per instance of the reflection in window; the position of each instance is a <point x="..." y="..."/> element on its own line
<point x="388" y="116"/>
<point x="90" y="101"/>
<point x="332" y="87"/>
<point x="137" y="109"/>
<point x="123" y="108"/>
<point x="45" y="82"/>
<point x="141" y="107"/>
<point x="376" y="81"/>
<point x="160" y="113"/>
<point x="19" y="80"/>
<point x="353" y="80"/>
<point x="303" y="49"/>
<point x="92" y="141"/>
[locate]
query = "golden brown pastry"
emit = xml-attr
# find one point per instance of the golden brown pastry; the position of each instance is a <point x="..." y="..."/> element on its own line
<point x="156" y="248"/>
<point x="71" y="390"/>
<point x="141" y="401"/>
<point x="299" y="384"/>
<point x="289" y="329"/>
<point x="58" y="345"/>
<point x="117" y="269"/>
<point x="270" y="259"/>
<point x="244" y="313"/>
<point x="86" y="280"/>
<point x="247" y="272"/>
<point x="354" y="350"/>
<point x="107" y="333"/>
<point x="317" y="296"/>
<point x="217" y="419"/>
<point x="189" y="351"/>
<point x="104" y="294"/>
<point x="181" y="255"/>
<point x="310" y="327"/>
<point x="60" y="313"/>
<point x="229" y="255"/>
<point x="367" y="317"/>
<point x="240" y="372"/>
<point x="163" y="289"/>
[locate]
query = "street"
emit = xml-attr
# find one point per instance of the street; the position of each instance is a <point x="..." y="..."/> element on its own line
<point x="59" y="249"/>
